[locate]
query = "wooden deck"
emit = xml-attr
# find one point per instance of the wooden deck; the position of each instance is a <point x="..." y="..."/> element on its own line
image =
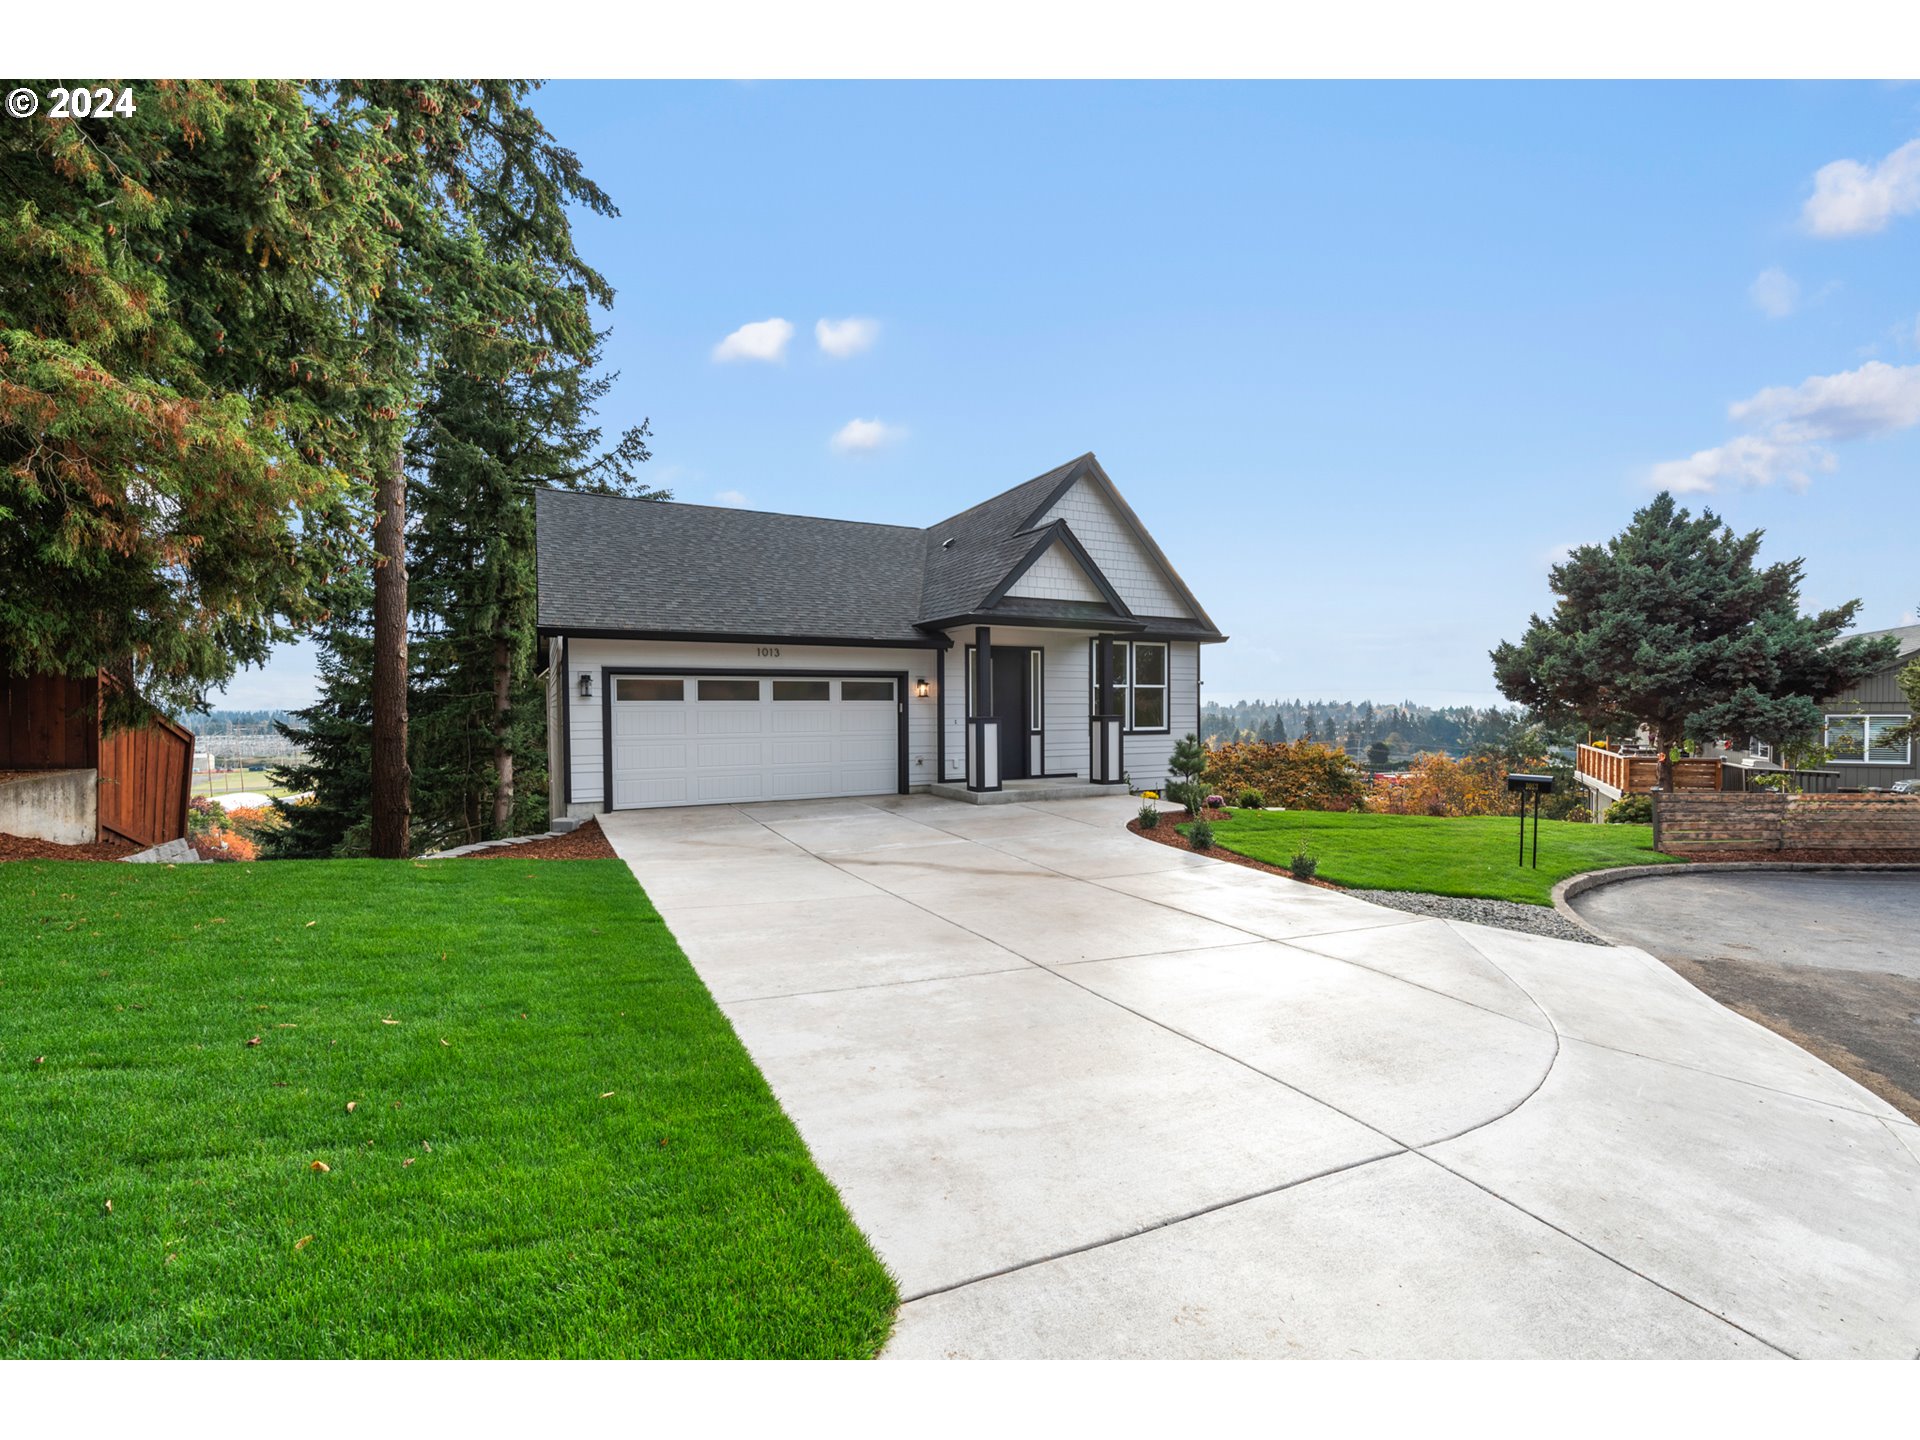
<point x="1616" y="774"/>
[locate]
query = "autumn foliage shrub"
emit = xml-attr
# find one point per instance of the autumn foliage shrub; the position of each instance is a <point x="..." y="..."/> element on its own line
<point x="1296" y="774"/>
<point x="1440" y="785"/>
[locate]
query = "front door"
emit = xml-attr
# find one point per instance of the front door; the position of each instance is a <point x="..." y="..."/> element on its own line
<point x="1010" y="709"/>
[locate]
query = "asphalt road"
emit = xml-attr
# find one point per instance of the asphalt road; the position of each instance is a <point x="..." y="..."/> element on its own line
<point x="1830" y="960"/>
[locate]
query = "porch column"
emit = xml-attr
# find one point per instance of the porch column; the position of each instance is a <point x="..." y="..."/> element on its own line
<point x="1106" y="757"/>
<point x="983" y="731"/>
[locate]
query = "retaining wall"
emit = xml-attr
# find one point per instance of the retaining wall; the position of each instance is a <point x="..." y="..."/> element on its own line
<point x="1690" y="822"/>
<point x="60" y="806"/>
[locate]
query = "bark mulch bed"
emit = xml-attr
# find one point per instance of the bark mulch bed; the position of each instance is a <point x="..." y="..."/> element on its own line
<point x="1801" y="857"/>
<point x="21" y="847"/>
<point x="586" y="843"/>
<point x="1165" y="834"/>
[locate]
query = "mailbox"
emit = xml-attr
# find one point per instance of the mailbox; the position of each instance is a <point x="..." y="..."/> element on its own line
<point x="1535" y="786"/>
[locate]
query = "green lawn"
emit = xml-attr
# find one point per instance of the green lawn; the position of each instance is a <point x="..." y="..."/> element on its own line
<point x="258" y="780"/>
<point x="558" y="1147"/>
<point x="1473" y="857"/>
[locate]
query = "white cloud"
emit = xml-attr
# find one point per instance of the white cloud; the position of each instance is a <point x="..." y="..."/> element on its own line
<point x="733" y="499"/>
<point x="860" y="437"/>
<point x="1774" y="293"/>
<point x="844" y="338"/>
<point x="760" y="340"/>
<point x="1854" y="199"/>
<point x="1789" y="427"/>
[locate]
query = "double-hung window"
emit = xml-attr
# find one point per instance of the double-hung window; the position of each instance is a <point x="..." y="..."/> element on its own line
<point x="1867" y="740"/>
<point x="1139" y="684"/>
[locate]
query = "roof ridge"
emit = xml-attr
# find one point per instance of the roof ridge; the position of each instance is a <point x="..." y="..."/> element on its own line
<point x="728" y="509"/>
<point x="1052" y="474"/>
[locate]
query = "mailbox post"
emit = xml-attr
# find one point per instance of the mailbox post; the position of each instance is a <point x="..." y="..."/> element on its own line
<point x="1534" y="786"/>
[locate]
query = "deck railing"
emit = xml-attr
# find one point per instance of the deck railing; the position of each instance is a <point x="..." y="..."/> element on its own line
<point x="1640" y="774"/>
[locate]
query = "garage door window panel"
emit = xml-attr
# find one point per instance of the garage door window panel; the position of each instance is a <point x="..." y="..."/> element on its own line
<point x="712" y="690"/>
<point x="634" y="687"/>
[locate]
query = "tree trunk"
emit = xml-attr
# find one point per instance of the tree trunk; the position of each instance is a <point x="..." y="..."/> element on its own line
<point x="1665" y="747"/>
<point x="392" y="781"/>
<point x="502" y="751"/>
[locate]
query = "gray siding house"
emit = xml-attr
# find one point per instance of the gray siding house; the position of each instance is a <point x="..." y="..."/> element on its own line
<point x="697" y="655"/>
<point x="1860" y="719"/>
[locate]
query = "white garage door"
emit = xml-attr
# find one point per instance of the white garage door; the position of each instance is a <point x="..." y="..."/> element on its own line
<point x="716" y="740"/>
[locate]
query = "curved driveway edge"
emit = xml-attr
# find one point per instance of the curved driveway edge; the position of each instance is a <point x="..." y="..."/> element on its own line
<point x="1091" y="1096"/>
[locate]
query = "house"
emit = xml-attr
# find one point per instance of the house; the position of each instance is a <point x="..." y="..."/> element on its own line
<point x="67" y="778"/>
<point x="1861" y="718"/>
<point x="700" y="655"/>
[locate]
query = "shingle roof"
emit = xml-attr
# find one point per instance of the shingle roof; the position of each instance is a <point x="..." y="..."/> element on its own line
<point x="1907" y="635"/>
<point x="610" y="564"/>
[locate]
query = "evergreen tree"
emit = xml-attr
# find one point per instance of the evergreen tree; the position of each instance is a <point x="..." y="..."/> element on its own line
<point x="335" y="774"/>
<point x="1672" y="625"/>
<point x="179" y="378"/>
<point x="482" y="449"/>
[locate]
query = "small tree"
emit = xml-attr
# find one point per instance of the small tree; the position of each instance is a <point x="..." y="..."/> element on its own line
<point x="1378" y="755"/>
<point x="1188" y="761"/>
<point x="1671" y="625"/>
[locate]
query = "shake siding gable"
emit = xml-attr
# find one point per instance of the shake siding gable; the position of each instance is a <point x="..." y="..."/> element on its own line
<point x="1110" y="541"/>
<point x="1056" y="575"/>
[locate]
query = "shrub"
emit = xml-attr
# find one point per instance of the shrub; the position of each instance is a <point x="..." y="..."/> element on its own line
<point x="1769" y="782"/>
<point x="1293" y="774"/>
<point x="1149" y="816"/>
<point x="1200" y="835"/>
<point x="1252" y="800"/>
<point x="1216" y="802"/>
<point x="1630" y="810"/>
<point x="1303" y="864"/>
<point x="1189" y="795"/>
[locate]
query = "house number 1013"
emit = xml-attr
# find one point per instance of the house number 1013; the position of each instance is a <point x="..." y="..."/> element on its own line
<point x="769" y="652"/>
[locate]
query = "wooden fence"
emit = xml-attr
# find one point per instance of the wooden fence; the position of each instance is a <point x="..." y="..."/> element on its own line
<point x="1639" y="774"/>
<point x="145" y="777"/>
<point x="1759" y="820"/>
<point x="49" y="722"/>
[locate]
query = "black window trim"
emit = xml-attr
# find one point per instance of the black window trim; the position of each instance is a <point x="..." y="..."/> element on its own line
<point x="1123" y="683"/>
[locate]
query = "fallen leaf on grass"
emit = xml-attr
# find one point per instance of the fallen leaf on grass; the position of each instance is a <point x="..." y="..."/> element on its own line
<point x="283" y="1025"/>
<point x="426" y="1147"/>
<point x="39" y="1059"/>
<point x="388" y="1020"/>
<point x="254" y="1041"/>
<point x="320" y="1167"/>
<point x="606" y="1094"/>
<point x="109" y="1207"/>
<point x="299" y="1244"/>
<point x="350" y="1105"/>
<point x="406" y="1162"/>
<point x="310" y="924"/>
<point x="444" y="1041"/>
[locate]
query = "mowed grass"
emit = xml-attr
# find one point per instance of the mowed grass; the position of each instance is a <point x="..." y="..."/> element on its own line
<point x="257" y="781"/>
<point x="557" y="1147"/>
<point x="1476" y="856"/>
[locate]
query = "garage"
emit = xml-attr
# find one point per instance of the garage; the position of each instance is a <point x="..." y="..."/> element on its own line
<point x="726" y="739"/>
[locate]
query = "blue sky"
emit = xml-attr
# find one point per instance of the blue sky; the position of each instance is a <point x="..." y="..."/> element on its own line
<point x="1364" y="357"/>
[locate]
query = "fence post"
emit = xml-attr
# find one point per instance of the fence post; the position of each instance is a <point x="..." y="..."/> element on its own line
<point x="1657" y="795"/>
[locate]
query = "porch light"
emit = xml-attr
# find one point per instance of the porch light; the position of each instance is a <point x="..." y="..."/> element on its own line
<point x="586" y="685"/>
<point x="920" y="687"/>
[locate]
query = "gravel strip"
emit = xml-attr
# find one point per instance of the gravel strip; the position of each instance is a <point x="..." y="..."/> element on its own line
<point x="1502" y="914"/>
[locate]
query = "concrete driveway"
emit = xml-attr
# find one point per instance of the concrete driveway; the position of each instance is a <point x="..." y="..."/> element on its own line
<point x="1091" y="1096"/>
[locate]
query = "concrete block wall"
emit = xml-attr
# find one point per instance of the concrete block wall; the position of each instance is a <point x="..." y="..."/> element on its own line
<point x="58" y="806"/>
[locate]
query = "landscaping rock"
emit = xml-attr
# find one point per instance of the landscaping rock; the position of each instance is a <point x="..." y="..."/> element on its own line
<point x="1502" y="914"/>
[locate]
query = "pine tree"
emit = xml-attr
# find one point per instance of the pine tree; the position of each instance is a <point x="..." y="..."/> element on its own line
<point x="1672" y="625"/>
<point x="335" y="774"/>
<point x="179" y="378"/>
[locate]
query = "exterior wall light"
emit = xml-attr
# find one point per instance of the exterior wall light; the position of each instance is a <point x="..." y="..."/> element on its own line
<point x="586" y="684"/>
<point x="920" y="687"/>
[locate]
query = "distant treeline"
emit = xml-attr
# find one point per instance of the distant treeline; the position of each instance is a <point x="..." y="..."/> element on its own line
<point x="1406" y="729"/>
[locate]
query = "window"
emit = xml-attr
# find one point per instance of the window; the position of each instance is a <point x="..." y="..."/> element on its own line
<point x="1866" y="740"/>
<point x="628" y="687"/>
<point x="1139" y="683"/>
<point x="1036" y="672"/>
<point x="866" y="689"/>
<point x="1149" y="688"/>
<point x="729" y="689"/>
<point x="800" y="690"/>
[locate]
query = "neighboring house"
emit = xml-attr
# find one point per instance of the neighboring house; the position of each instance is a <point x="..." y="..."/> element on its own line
<point x="699" y="655"/>
<point x="66" y="779"/>
<point x="1861" y="717"/>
